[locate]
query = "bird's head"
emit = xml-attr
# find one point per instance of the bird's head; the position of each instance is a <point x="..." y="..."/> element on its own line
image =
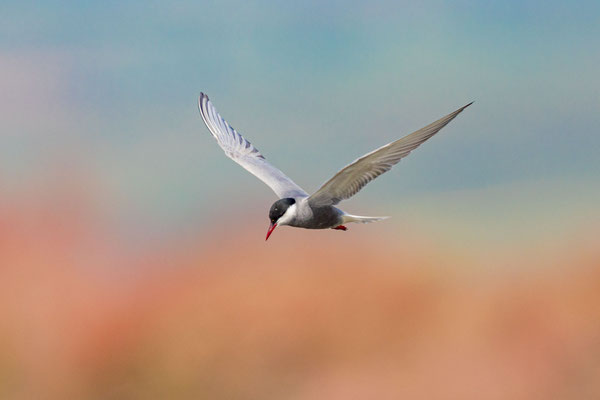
<point x="281" y="213"/>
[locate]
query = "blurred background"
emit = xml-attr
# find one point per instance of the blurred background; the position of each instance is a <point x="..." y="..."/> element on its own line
<point x="132" y="254"/>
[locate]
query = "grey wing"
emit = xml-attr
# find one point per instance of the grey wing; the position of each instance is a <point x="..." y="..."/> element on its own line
<point x="244" y="153"/>
<point x="347" y="182"/>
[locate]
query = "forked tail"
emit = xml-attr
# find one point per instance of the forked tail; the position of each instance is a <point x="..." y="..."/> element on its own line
<point x="358" y="219"/>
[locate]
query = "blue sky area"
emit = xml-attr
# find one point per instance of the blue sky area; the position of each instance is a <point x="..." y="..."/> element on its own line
<point x="109" y="89"/>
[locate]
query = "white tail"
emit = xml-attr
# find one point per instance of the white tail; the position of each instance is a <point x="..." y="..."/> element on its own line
<point x="357" y="218"/>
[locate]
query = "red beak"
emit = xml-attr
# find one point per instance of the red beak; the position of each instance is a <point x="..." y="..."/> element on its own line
<point x="271" y="229"/>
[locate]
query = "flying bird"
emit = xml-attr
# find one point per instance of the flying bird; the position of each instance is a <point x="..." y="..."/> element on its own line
<point x="297" y="208"/>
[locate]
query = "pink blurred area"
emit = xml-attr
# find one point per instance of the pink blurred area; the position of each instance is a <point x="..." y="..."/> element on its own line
<point x="307" y="315"/>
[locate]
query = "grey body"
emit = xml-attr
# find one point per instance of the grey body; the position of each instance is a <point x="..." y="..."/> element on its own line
<point x="322" y="217"/>
<point x="299" y="213"/>
<point x="295" y="207"/>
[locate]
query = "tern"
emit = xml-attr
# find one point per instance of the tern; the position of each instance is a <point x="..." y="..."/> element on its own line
<point x="297" y="208"/>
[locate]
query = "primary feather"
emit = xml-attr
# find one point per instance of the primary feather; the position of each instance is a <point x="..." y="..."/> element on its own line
<point x="244" y="153"/>
<point x="347" y="182"/>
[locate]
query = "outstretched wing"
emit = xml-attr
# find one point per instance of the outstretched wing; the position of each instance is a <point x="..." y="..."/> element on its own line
<point x="244" y="153"/>
<point x="347" y="182"/>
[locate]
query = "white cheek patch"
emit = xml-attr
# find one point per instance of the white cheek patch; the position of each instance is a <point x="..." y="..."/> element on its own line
<point x="288" y="216"/>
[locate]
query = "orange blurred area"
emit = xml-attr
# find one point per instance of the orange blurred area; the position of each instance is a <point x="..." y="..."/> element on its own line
<point x="307" y="315"/>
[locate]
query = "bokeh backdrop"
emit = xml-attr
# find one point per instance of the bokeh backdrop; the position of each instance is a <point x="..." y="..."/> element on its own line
<point x="132" y="253"/>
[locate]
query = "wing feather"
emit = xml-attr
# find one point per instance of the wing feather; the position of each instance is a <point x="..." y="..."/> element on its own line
<point x="244" y="153"/>
<point x="352" y="178"/>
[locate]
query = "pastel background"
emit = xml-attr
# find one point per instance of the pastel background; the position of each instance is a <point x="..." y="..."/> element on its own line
<point x="132" y="253"/>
